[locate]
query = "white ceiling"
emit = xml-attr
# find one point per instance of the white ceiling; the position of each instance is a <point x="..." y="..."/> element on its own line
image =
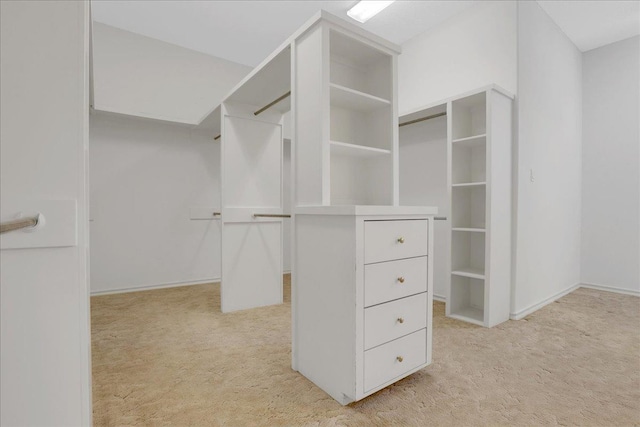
<point x="591" y="24"/>
<point x="247" y="31"/>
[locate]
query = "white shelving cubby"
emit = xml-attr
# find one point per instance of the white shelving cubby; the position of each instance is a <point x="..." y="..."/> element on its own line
<point x="480" y="176"/>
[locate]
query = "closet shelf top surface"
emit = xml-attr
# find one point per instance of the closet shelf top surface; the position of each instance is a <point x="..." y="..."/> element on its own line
<point x="469" y="314"/>
<point x="355" y="150"/>
<point x="366" y="210"/>
<point x="469" y="229"/>
<point x="468" y="184"/>
<point x="471" y="140"/>
<point x="474" y="273"/>
<point x="441" y="105"/>
<point x="354" y="99"/>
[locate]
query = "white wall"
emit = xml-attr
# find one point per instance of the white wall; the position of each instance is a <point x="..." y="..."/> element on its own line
<point x="146" y="177"/>
<point x="45" y="366"/>
<point x="472" y="49"/>
<point x="549" y="146"/>
<point x="610" y="165"/>
<point x="423" y="182"/>
<point x="141" y="76"/>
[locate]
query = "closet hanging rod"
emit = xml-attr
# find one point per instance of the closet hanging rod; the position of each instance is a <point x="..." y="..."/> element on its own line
<point x="423" y="119"/>
<point x="272" y="103"/>
<point x="19" y="224"/>
<point x="271" y="216"/>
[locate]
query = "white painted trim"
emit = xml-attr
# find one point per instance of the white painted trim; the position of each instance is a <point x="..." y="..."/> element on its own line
<point x="440" y="298"/>
<point x="535" y="307"/>
<point x="444" y="101"/>
<point x="160" y="286"/>
<point x="608" y="288"/>
<point x="153" y="287"/>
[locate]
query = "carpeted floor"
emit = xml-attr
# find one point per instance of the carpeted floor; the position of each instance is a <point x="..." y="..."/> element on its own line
<point x="169" y="357"/>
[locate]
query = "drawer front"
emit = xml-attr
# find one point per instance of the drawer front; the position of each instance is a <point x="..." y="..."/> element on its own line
<point x="389" y="240"/>
<point x="391" y="280"/>
<point x="391" y="360"/>
<point x="386" y="322"/>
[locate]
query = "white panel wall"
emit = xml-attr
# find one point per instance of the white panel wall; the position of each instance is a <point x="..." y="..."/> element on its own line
<point x="45" y="366"/>
<point x="472" y="49"/>
<point x="610" y="165"/>
<point x="286" y="198"/>
<point x="549" y="161"/>
<point x="146" y="177"/>
<point x="145" y="77"/>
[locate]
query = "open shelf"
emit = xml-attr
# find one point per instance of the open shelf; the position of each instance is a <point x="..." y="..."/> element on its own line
<point x="469" y="119"/>
<point x="467" y="302"/>
<point x="355" y="100"/>
<point x="474" y="273"/>
<point x="355" y="150"/>
<point x="471" y="141"/>
<point x="469" y="184"/>
<point x="468" y="163"/>
<point x="468" y="207"/>
<point x="360" y="66"/>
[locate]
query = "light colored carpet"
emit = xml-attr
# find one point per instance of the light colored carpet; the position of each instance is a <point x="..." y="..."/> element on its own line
<point x="169" y="357"/>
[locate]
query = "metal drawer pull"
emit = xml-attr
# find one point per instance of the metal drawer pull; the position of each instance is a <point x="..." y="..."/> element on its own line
<point x="401" y="279"/>
<point x="400" y="239"/>
<point x="399" y="359"/>
<point x="400" y="320"/>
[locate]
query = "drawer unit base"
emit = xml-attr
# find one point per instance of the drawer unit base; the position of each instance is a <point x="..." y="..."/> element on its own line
<point x="362" y="300"/>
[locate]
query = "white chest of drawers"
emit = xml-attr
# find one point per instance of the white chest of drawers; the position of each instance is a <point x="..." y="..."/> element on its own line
<point x="362" y="296"/>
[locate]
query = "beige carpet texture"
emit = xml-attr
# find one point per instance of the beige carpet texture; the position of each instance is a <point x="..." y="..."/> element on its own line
<point x="170" y="357"/>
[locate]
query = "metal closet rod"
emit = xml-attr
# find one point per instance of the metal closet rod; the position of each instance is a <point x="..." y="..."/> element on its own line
<point x="266" y="107"/>
<point x="18" y="224"/>
<point x="423" y="119"/>
<point x="272" y="103"/>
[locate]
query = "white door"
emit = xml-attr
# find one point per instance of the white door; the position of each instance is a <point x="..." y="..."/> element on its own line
<point x="44" y="294"/>
<point x="251" y="184"/>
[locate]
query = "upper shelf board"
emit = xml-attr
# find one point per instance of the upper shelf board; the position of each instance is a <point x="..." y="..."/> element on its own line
<point x="471" y="141"/>
<point x="353" y="150"/>
<point x="353" y="99"/>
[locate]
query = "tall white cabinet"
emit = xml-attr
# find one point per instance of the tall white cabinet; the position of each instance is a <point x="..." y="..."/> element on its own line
<point x="362" y="272"/>
<point x="456" y="154"/>
<point x="480" y="138"/>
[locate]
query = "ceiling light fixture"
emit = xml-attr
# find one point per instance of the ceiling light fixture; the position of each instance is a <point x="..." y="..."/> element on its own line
<point x="365" y="10"/>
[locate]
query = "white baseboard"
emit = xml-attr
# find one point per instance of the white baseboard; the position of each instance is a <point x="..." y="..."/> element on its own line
<point x="537" y="306"/>
<point x="607" y="288"/>
<point x="152" y="287"/>
<point x="440" y="298"/>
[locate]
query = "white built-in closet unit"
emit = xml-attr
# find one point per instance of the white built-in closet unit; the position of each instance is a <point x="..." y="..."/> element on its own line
<point x="362" y="271"/>
<point x="462" y="164"/>
<point x="361" y="266"/>
<point x="251" y="134"/>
